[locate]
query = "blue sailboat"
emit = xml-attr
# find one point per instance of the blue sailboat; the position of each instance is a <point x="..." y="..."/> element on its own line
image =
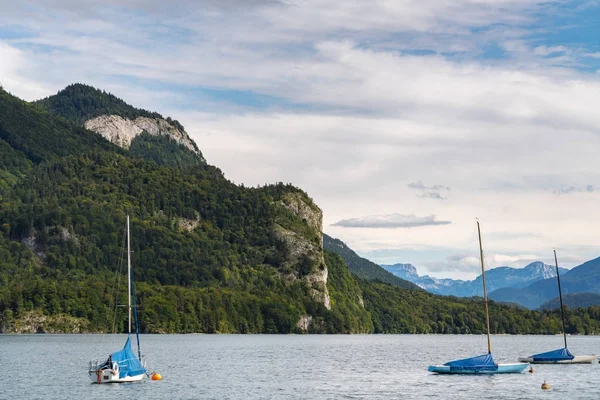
<point x="123" y="365"/>
<point x="559" y="356"/>
<point x="483" y="364"/>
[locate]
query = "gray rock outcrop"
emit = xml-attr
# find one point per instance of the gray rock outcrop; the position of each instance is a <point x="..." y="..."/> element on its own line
<point x="121" y="131"/>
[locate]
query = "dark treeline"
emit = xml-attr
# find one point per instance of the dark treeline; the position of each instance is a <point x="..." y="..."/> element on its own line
<point x="394" y="310"/>
<point x="163" y="151"/>
<point x="573" y="300"/>
<point x="170" y="309"/>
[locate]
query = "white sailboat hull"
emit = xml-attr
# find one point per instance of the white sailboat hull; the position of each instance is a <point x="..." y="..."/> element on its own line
<point x="514" y="368"/>
<point x="110" y="376"/>
<point x="575" y="360"/>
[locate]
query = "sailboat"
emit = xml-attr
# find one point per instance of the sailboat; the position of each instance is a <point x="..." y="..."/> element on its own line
<point x="123" y="365"/>
<point x="559" y="356"/>
<point x="483" y="364"/>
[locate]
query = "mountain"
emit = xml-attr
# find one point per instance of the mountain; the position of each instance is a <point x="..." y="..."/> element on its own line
<point x="584" y="278"/>
<point x="209" y="256"/>
<point x="573" y="300"/>
<point x="212" y="256"/>
<point x="404" y="271"/>
<point x="496" y="278"/>
<point x="362" y="267"/>
<point x="431" y="284"/>
<point x="143" y="133"/>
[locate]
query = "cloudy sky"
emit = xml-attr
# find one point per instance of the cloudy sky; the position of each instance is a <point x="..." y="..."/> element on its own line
<point x="404" y="120"/>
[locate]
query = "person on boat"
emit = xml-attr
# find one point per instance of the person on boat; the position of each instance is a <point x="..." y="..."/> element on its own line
<point x="108" y="363"/>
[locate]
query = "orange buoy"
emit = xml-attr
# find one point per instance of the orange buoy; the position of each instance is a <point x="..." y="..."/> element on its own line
<point x="156" y="377"/>
<point x="545" y="386"/>
<point x="531" y="370"/>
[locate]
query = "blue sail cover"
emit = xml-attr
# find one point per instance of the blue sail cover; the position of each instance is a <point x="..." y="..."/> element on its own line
<point x="129" y="363"/>
<point x="474" y="364"/>
<point x="554" y="355"/>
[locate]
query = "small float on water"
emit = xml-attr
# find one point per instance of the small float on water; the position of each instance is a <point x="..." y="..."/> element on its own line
<point x="123" y="365"/>
<point x="483" y="364"/>
<point x="559" y="356"/>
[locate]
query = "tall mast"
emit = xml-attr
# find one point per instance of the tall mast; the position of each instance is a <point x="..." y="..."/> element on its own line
<point x="485" y="299"/>
<point x="128" y="275"/>
<point x="562" y="313"/>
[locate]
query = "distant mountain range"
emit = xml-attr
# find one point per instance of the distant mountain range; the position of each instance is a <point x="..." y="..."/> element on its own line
<point x="431" y="284"/>
<point x="534" y="286"/>
<point x="497" y="278"/>
<point x="584" y="278"/>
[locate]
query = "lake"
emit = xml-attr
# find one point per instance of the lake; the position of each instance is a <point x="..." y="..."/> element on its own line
<point x="292" y="367"/>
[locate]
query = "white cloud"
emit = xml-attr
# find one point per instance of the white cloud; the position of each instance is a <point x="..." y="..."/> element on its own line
<point x="468" y="266"/>
<point x="390" y="221"/>
<point x="368" y="118"/>
<point x="399" y="15"/>
<point x="588" y="5"/>
<point x="573" y="189"/>
<point x="547" y="51"/>
<point x="431" y="192"/>
<point x="13" y="76"/>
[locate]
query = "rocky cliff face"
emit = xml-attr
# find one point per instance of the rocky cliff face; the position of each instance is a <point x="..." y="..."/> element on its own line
<point x="306" y="247"/>
<point x="36" y="322"/>
<point x="121" y="131"/>
<point x="404" y="271"/>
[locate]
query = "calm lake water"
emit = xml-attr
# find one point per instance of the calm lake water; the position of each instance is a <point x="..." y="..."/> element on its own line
<point x="291" y="367"/>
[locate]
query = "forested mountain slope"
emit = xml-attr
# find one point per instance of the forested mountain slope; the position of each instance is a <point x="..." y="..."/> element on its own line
<point x="362" y="267"/>
<point x="208" y="255"/>
<point x="67" y="191"/>
<point x="573" y="300"/>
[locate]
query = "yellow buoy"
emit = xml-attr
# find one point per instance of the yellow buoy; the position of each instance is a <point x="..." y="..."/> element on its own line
<point x="156" y="376"/>
<point x="545" y="386"/>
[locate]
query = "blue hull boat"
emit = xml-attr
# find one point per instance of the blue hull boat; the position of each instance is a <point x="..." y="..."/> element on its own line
<point x="484" y="364"/>
<point x="515" y="368"/>
<point x="560" y="356"/>
<point x="480" y="365"/>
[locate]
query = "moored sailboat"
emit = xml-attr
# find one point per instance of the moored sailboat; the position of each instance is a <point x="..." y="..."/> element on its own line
<point x="483" y="364"/>
<point x="123" y="365"/>
<point x="559" y="356"/>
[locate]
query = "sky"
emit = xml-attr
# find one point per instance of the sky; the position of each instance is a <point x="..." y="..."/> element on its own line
<point x="404" y="120"/>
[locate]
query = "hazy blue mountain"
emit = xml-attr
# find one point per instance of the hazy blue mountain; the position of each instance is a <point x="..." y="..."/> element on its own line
<point x="431" y="284"/>
<point x="497" y="278"/>
<point x="584" y="278"/>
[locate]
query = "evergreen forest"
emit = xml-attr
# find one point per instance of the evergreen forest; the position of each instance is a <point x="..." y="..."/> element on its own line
<point x="208" y="255"/>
